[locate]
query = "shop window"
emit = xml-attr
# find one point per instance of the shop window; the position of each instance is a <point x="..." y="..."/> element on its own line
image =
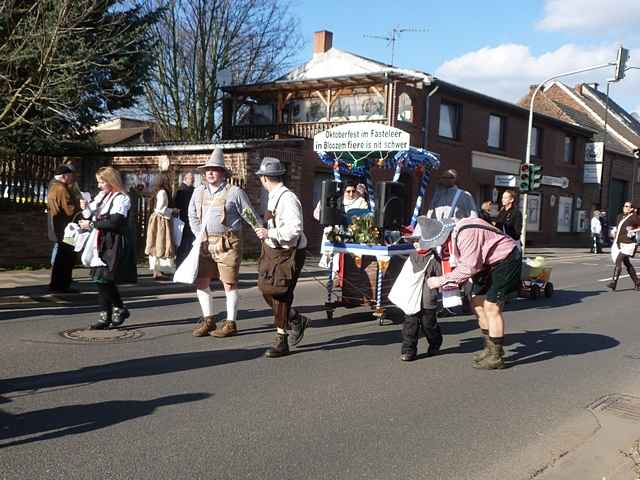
<point x="565" y="214"/>
<point x="449" y="124"/>
<point x="405" y="108"/>
<point x="495" y="138"/>
<point x="534" y="209"/>
<point x="569" y="150"/>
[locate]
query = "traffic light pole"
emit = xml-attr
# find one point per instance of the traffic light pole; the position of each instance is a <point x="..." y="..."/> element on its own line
<point x="527" y="158"/>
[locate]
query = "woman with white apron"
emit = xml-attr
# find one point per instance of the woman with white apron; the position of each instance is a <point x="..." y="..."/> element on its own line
<point x="624" y="244"/>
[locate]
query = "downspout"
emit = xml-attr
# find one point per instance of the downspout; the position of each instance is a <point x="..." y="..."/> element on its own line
<point x="427" y="104"/>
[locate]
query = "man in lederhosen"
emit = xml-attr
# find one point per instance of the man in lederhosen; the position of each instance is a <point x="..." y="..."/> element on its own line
<point x="283" y="234"/>
<point x="217" y="206"/>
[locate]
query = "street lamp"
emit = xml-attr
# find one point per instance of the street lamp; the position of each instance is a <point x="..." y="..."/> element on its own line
<point x="527" y="158"/>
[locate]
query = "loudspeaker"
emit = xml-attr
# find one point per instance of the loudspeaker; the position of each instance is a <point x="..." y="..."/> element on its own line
<point x="330" y="211"/>
<point x="391" y="200"/>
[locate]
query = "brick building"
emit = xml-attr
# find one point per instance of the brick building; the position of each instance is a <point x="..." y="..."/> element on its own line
<point x="614" y="175"/>
<point x="482" y="137"/>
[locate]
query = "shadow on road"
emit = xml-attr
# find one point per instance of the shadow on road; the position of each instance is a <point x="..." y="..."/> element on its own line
<point x="137" y="367"/>
<point x="386" y="337"/>
<point x="539" y="345"/>
<point x="58" y="422"/>
<point x="66" y="310"/>
<point x="560" y="298"/>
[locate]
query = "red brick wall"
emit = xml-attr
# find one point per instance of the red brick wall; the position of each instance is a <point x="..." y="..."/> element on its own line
<point x="24" y="238"/>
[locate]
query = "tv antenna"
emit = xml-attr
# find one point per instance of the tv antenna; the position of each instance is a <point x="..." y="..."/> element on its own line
<point x="394" y="36"/>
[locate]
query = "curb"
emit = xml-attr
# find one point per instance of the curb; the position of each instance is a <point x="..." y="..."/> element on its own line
<point x="90" y="297"/>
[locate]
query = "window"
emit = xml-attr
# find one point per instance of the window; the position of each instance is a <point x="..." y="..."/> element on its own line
<point x="565" y="210"/>
<point x="569" y="149"/>
<point x="449" y="126"/>
<point x="405" y="108"/>
<point x="534" y="208"/>
<point x="495" y="139"/>
<point x="536" y="142"/>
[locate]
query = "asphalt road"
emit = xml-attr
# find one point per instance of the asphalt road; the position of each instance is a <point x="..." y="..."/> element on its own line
<point x="168" y="406"/>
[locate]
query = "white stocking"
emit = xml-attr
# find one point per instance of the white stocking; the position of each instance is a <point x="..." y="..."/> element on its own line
<point x="206" y="302"/>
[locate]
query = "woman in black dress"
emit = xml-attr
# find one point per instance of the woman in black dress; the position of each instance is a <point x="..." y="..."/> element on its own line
<point x="509" y="218"/>
<point x="114" y="260"/>
<point x="624" y="244"/>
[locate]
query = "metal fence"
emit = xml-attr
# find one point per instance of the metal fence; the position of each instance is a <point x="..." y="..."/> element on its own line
<point x="24" y="179"/>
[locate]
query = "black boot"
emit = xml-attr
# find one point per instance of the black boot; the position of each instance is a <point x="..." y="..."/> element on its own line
<point x="279" y="348"/>
<point x="409" y="334"/>
<point x="104" y="321"/>
<point x="634" y="276"/>
<point x="120" y="314"/>
<point x="299" y="324"/>
<point x="614" y="279"/>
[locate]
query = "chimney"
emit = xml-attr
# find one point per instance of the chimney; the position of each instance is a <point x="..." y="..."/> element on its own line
<point x="322" y="41"/>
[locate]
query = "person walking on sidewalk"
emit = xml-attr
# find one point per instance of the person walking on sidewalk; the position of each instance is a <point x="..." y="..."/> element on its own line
<point x="62" y="206"/>
<point x="182" y="200"/>
<point x="624" y="245"/>
<point x="596" y="232"/>
<point x="114" y="259"/>
<point x="218" y="208"/>
<point x="509" y="218"/>
<point x="283" y="253"/>
<point x="493" y="260"/>
<point x="160" y="246"/>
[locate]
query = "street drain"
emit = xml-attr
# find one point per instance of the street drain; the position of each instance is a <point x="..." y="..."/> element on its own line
<point x="101" y="336"/>
<point x="622" y="406"/>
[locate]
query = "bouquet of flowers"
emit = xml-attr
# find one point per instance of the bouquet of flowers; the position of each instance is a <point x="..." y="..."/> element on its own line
<point x="364" y="230"/>
<point x="251" y="219"/>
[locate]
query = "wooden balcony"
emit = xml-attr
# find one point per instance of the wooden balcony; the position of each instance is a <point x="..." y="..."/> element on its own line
<point x="296" y="130"/>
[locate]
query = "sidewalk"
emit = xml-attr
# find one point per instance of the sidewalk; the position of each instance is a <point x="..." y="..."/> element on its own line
<point x="20" y="287"/>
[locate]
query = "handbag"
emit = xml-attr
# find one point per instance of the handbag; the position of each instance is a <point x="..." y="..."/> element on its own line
<point x="628" y="249"/>
<point x="406" y="293"/>
<point x="187" y="272"/>
<point x="276" y="269"/>
<point x="90" y="248"/>
<point x="177" y="228"/>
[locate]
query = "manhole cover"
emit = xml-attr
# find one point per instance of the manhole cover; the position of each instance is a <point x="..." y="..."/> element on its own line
<point x="623" y="406"/>
<point x="102" y="336"/>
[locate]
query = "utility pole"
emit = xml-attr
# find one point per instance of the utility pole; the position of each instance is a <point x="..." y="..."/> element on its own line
<point x="394" y="36"/>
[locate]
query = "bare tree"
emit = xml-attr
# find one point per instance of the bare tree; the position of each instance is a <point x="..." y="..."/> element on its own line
<point x="65" y="64"/>
<point x="254" y="40"/>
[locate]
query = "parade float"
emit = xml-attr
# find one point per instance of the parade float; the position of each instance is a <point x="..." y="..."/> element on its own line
<point x="369" y="245"/>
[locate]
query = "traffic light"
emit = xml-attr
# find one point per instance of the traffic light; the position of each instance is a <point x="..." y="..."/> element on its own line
<point x="621" y="64"/>
<point x="535" y="176"/>
<point x="525" y="177"/>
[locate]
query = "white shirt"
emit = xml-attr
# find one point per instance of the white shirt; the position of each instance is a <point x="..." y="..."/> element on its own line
<point x="121" y="204"/>
<point x="287" y="226"/>
<point x="596" y="226"/>
<point x="162" y="204"/>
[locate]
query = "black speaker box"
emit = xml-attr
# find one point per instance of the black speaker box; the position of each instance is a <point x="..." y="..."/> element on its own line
<point x="330" y="211"/>
<point x="391" y="205"/>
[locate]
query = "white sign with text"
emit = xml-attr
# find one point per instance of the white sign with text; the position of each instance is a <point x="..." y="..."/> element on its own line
<point x="361" y="137"/>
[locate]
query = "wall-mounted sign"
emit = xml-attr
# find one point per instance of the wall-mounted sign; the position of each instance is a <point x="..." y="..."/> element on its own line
<point x="562" y="182"/>
<point x="361" y="137"/>
<point x="505" y="181"/>
<point x="592" y="173"/>
<point x="593" y="161"/>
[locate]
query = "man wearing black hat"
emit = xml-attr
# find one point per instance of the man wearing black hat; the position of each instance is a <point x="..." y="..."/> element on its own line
<point x="62" y="206"/>
<point x="283" y="252"/>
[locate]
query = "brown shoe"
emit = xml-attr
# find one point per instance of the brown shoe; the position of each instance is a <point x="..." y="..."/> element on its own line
<point x="228" y="329"/>
<point x="207" y="324"/>
<point x="279" y="348"/>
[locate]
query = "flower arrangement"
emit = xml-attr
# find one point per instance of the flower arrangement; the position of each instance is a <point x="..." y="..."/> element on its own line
<point x="251" y="219"/>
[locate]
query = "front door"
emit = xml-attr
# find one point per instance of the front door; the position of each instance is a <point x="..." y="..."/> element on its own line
<point x="617" y="197"/>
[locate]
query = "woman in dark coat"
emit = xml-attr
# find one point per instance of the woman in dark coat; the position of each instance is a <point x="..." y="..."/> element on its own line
<point x="114" y="258"/>
<point x="624" y="244"/>
<point x="509" y="218"/>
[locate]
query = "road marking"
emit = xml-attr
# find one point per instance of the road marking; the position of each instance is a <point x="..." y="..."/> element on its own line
<point x="590" y="264"/>
<point x="610" y="278"/>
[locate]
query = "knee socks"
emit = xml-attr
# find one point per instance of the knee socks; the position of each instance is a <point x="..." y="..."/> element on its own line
<point x="206" y="302"/>
<point x="232" y="305"/>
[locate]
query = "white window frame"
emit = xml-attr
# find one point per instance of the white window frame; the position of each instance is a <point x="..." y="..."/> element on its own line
<point x="491" y="133"/>
<point x="453" y="123"/>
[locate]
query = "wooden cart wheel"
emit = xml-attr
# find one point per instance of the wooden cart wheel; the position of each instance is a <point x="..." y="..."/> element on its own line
<point x="534" y="291"/>
<point x="548" y="290"/>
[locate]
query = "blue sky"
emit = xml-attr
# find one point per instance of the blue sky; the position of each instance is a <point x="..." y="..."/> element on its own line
<point x="495" y="47"/>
